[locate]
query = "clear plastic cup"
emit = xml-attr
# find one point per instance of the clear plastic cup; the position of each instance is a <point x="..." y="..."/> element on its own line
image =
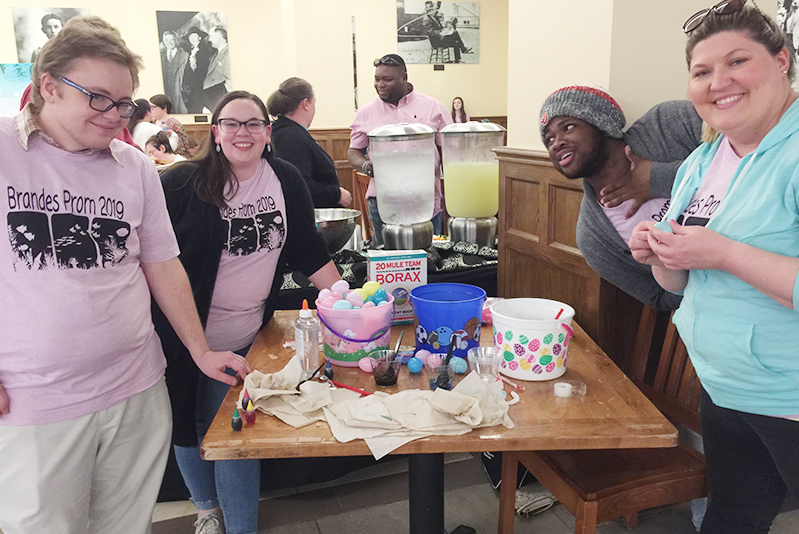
<point x="386" y="369"/>
<point x="485" y="361"/>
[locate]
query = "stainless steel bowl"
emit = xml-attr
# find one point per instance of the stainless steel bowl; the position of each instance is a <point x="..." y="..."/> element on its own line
<point x="336" y="225"/>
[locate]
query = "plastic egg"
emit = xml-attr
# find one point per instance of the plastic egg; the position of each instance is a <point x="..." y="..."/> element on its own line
<point x="366" y="364"/>
<point x="362" y="292"/>
<point x="354" y="299"/>
<point x="382" y="303"/>
<point x="415" y="365"/>
<point x="458" y="365"/>
<point x="340" y="286"/>
<point x="433" y="361"/>
<point x="380" y="294"/>
<point x="337" y="295"/>
<point x="370" y="287"/>
<point x="368" y="305"/>
<point x="423" y="354"/>
<point x="328" y="302"/>
<point x="324" y="293"/>
<point x="342" y="305"/>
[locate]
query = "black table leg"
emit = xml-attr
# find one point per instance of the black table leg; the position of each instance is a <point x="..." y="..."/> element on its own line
<point x="426" y="493"/>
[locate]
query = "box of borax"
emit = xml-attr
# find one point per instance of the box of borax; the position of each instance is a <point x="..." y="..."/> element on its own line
<point x="398" y="271"/>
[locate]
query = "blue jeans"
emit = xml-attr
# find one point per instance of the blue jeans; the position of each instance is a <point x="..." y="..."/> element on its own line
<point x="377" y="222"/>
<point x="752" y="462"/>
<point x="232" y="484"/>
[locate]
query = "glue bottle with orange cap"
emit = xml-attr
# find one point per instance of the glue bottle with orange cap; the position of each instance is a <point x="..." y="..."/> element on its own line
<point x="306" y="340"/>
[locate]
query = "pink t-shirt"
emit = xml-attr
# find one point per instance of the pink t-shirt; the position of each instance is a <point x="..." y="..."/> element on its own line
<point x="256" y="223"/>
<point x="713" y="188"/>
<point x="76" y="335"/>
<point x="651" y="210"/>
<point x="412" y="108"/>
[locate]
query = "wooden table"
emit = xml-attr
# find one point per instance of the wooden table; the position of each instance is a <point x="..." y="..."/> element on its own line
<point x="613" y="414"/>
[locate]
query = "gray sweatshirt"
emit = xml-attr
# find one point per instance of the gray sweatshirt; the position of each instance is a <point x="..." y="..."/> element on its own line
<point x="666" y="135"/>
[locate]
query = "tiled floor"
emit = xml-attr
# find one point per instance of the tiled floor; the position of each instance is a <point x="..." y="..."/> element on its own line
<point x="375" y="500"/>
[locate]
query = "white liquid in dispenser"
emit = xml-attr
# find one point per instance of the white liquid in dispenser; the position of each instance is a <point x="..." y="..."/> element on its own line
<point x="405" y="184"/>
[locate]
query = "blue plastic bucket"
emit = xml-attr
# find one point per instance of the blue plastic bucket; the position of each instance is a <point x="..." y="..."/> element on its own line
<point x="441" y="310"/>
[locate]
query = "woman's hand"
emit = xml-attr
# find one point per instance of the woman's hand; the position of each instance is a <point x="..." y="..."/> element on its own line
<point x="633" y="185"/>
<point x="639" y="244"/>
<point x="346" y="198"/>
<point x="213" y="365"/>
<point x="690" y="247"/>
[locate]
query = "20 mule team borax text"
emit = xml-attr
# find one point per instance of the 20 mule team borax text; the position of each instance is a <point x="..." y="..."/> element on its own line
<point x="399" y="271"/>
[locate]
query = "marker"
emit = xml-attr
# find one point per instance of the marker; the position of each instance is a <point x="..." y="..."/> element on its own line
<point x="236" y="421"/>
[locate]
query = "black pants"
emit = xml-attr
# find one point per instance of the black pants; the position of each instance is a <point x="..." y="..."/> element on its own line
<point x="752" y="462"/>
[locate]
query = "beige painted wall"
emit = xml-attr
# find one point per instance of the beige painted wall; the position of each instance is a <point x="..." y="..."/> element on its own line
<point x="633" y="48"/>
<point x="271" y="40"/>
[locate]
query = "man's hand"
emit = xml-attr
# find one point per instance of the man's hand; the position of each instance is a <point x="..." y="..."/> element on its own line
<point x="633" y="185"/>
<point x="4" y="404"/>
<point x="346" y="198"/>
<point x="213" y="364"/>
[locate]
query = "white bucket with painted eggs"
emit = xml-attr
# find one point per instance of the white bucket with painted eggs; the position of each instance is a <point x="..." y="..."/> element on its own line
<point x="534" y="343"/>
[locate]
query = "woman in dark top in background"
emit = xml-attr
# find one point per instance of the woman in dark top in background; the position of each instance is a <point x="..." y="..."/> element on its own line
<point x="294" y="105"/>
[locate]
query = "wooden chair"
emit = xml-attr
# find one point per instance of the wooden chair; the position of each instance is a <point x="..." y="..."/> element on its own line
<point x="440" y="54"/>
<point x="599" y="485"/>
<point x="360" y="182"/>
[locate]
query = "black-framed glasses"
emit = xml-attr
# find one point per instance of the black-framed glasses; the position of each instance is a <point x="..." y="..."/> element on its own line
<point x="254" y="126"/>
<point x="102" y="103"/>
<point x="389" y="61"/>
<point x="722" y="8"/>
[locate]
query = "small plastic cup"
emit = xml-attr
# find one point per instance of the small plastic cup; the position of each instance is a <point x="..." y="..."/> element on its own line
<point x="387" y="367"/>
<point x="441" y="377"/>
<point x="485" y="361"/>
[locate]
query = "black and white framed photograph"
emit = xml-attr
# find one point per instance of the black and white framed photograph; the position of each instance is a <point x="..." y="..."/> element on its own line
<point x="33" y="26"/>
<point x="438" y="32"/>
<point x="194" y="59"/>
<point x="788" y="19"/>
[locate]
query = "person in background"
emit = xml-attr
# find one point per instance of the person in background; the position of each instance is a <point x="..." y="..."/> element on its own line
<point x="84" y="414"/>
<point x="173" y="63"/>
<point x="581" y="127"/>
<point x="51" y="25"/>
<point x="217" y="81"/>
<point x="199" y="59"/>
<point x="160" y="109"/>
<point x="397" y="102"/>
<point x="294" y="105"/>
<point x="459" y="111"/>
<point x="729" y="244"/>
<point x="159" y="148"/>
<point x="241" y="216"/>
<point x="140" y="123"/>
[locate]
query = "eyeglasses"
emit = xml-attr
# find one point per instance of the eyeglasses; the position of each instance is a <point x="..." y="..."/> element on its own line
<point x="102" y="103"/>
<point x="722" y="8"/>
<point x="254" y="126"/>
<point x="389" y="61"/>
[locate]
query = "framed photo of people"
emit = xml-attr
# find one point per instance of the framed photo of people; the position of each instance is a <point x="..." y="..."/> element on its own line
<point x="194" y="59"/>
<point x="788" y="19"/>
<point x="438" y="32"/>
<point x="33" y="26"/>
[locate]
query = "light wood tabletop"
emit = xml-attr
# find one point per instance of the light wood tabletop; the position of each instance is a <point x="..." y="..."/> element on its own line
<point x="612" y="414"/>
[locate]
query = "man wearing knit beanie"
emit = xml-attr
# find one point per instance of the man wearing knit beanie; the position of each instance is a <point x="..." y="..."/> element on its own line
<point x="582" y="129"/>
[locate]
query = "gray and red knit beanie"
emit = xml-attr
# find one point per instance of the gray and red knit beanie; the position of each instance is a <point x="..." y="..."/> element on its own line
<point x="591" y="104"/>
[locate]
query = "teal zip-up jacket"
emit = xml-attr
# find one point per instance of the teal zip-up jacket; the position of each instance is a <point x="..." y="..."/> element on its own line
<point x="743" y="344"/>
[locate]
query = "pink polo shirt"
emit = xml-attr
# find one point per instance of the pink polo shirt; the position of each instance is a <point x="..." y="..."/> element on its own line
<point x="412" y="108"/>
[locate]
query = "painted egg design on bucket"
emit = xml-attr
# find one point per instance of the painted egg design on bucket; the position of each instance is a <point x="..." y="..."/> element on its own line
<point x="534" y="344"/>
<point x="537" y="369"/>
<point x="556" y="349"/>
<point x="523" y="340"/>
<point x="513" y="366"/>
<point x="519" y="350"/>
<point x="524" y="364"/>
<point x="544" y="351"/>
<point x="561" y="337"/>
<point x="508" y="335"/>
<point x="545" y="360"/>
<point x="550" y="367"/>
<point x="508" y="356"/>
<point x="547" y="339"/>
<point x="559" y="362"/>
<point x="498" y="336"/>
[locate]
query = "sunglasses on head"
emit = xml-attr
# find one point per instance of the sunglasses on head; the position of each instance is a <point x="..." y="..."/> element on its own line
<point x="389" y="61"/>
<point x="722" y="8"/>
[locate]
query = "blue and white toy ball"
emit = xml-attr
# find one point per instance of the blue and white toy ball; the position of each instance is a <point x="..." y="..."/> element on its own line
<point x="415" y="365"/>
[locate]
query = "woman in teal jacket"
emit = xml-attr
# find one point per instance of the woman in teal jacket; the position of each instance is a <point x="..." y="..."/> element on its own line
<point x="729" y="243"/>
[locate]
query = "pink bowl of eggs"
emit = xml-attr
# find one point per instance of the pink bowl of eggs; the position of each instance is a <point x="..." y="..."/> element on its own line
<point x="354" y="322"/>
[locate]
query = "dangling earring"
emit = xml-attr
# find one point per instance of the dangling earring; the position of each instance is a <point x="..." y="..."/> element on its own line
<point x="268" y="147"/>
<point x="219" y="148"/>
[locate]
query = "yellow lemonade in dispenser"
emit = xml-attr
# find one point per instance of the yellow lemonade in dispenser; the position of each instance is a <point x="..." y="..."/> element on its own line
<point x="472" y="189"/>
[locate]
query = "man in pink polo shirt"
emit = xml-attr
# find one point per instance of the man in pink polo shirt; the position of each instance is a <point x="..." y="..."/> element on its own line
<point x="398" y="102"/>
